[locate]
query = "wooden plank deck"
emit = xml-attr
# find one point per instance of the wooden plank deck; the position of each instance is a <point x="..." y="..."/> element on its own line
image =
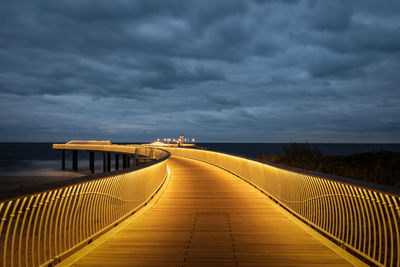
<point x="208" y="217"/>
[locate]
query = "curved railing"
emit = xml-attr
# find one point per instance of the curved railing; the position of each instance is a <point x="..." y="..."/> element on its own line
<point x="357" y="215"/>
<point x="44" y="227"/>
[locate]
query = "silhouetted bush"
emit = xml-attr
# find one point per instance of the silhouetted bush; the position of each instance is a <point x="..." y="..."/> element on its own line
<point x="382" y="167"/>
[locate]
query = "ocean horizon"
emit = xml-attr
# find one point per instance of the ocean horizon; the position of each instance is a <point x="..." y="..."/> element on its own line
<point x="39" y="159"/>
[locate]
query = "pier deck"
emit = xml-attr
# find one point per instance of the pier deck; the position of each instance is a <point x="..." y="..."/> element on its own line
<point x="209" y="217"/>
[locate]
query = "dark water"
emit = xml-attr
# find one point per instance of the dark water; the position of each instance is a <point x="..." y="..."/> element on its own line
<point x="23" y="158"/>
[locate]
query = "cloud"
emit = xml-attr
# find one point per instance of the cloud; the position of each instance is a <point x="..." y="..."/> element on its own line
<point x="254" y="70"/>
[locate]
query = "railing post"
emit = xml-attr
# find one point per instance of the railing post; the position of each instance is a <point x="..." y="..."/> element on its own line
<point x="75" y="160"/>
<point x="108" y="161"/>
<point x="123" y="161"/>
<point x="63" y="160"/>
<point x="91" y="161"/>
<point x="116" y="161"/>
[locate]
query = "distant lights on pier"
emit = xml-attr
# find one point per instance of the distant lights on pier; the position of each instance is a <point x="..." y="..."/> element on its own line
<point x="181" y="141"/>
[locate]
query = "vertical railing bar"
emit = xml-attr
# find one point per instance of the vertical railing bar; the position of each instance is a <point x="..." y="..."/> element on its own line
<point x="93" y="195"/>
<point x="376" y="219"/>
<point x="395" y="215"/>
<point x="46" y="249"/>
<point x="120" y="206"/>
<point x="95" y="226"/>
<point x="52" y="218"/>
<point x="372" y="242"/>
<point x="82" y="211"/>
<point x="4" y="217"/>
<point x="57" y="236"/>
<point x="75" y="196"/>
<point x="314" y="200"/>
<point x="94" y="214"/>
<point x="324" y="224"/>
<point x="65" y="196"/>
<point x="352" y="214"/>
<point x="76" y="220"/>
<point x="300" y="182"/>
<point x="392" y="214"/>
<point x="389" y="221"/>
<point x="307" y="202"/>
<point x="44" y="213"/>
<point x="109" y="201"/>
<point x="21" y="207"/>
<point x="383" y="221"/>
<point x="27" y="208"/>
<point x="33" y="212"/>
<point x="319" y="197"/>
<point x="101" y="208"/>
<point x="38" y="211"/>
<point x="11" y="217"/>
<point x="342" y="212"/>
<point x="87" y="213"/>
<point x="112" y="193"/>
<point x="332" y="189"/>
<point x="329" y="203"/>
<point x="346" y="216"/>
<point x="356" y="198"/>
<point x="67" y="203"/>
<point x="2" y="221"/>
<point x="336" y="192"/>
<point x="379" y="220"/>
<point x="367" y="222"/>
<point x="296" y="196"/>
<point x="106" y="202"/>
<point x="99" y="204"/>
<point x="320" y="202"/>
<point x="96" y="218"/>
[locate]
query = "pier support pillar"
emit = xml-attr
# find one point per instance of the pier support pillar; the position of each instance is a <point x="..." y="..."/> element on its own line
<point x="75" y="160"/>
<point x="104" y="161"/>
<point x="124" y="161"/>
<point x="63" y="160"/>
<point x="108" y="162"/>
<point x="128" y="161"/>
<point x="91" y="161"/>
<point x="116" y="161"/>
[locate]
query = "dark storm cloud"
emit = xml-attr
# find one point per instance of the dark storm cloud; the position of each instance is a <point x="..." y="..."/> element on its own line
<point x="263" y="70"/>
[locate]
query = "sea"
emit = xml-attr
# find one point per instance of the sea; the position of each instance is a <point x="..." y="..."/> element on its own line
<point x="39" y="159"/>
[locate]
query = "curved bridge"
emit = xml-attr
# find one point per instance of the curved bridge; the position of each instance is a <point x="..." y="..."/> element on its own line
<point x="200" y="208"/>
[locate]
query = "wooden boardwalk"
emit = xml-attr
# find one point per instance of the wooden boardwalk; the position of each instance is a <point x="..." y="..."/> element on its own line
<point x="208" y="217"/>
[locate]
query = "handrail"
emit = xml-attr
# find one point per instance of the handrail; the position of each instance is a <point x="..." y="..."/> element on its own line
<point x="360" y="217"/>
<point x="43" y="227"/>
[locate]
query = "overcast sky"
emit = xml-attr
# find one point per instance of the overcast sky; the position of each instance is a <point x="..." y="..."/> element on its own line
<point x="242" y="71"/>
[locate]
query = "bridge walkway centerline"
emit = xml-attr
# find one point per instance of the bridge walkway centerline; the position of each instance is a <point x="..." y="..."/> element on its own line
<point x="209" y="217"/>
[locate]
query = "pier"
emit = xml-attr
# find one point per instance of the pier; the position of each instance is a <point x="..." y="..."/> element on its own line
<point x="128" y="159"/>
<point x="191" y="207"/>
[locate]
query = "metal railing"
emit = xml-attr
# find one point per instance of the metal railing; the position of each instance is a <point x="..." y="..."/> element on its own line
<point x="361" y="217"/>
<point x="43" y="228"/>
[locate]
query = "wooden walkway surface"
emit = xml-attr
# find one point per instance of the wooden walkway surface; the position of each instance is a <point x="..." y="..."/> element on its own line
<point x="208" y="217"/>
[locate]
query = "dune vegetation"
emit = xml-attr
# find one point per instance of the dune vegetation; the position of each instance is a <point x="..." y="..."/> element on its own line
<point x="381" y="167"/>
